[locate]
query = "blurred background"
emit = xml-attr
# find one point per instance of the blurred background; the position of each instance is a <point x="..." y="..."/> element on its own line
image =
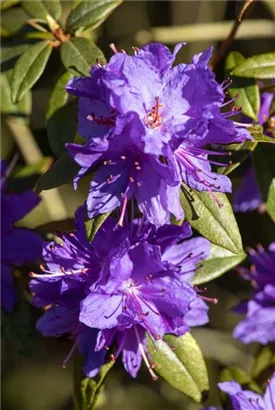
<point x="37" y="381"/>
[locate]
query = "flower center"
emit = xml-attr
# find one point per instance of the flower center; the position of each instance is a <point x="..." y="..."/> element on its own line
<point x="154" y="119"/>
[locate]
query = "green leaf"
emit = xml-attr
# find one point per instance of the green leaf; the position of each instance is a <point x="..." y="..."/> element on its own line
<point x="61" y="128"/>
<point x="18" y="329"/>
<point x="218" y="262"/>
<point x="40" y="9"/>
<point x="238" y="375"/>
<point x="264" y="165"/>
<point x="93" y="225"/>
<point x="264" y="360"/>
<point x="13" y="20"/>
<point x="246" y="89"/>
<point x="270" y="203"/>
<point x="214" y="222"/>
<point x="23" y="108"/>
<point x="259" y="66"/>
<point x="257" y="133"/>
<point x="87" y="391"/>
<point x="90" y="14"/>
<point x="181" y="365"/>
<point x="8" y="53"/>
<point x="79" y="54"/>
<point x="60" y="173"/>
<point x="29" y="67"/>
<point x="6" y="4"/>
<point x="59" y="96"/>
<point x="38" y="168"/>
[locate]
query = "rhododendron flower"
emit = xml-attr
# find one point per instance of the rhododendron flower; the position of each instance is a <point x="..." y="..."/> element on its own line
<point x="259" y="323"/>
<point x="126" y="282"/>
<point x="18" y="245"/>
<point x="148" y="128"/>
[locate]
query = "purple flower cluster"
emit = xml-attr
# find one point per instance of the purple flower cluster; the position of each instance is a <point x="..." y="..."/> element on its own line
<point x="259" y="323"/>
<point x="18" y="245"/>
<point x="127" y="282"/>
<point x="247" y="399"/>
<point x="148" y="127"/>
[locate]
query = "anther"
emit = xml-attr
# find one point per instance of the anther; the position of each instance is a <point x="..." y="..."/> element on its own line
<point x="123" y="157"/>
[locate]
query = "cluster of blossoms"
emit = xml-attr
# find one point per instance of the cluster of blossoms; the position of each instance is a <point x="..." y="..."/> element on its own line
<point x="128" y="281"/>
<point x="259" y="323"/>
<point x="18" y="245"/>
<point x="148" y="127"/>
<point x="248" y="196"/>
<point x="247" y="399"/>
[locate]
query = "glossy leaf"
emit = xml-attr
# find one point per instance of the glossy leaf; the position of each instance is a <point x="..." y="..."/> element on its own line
<point x="59" y="96"/>
<point x="215" y="222"/>
<point x="29" y="68"/>
<point x="93" y="225"/>
<point x="61" y="128"/>
<point x="87" y="391"/>
<point x="180" y="362"/>
<point x="246" y="90"/>
<point x="18" y="329"/>
<point x="219" y="261"/>
<point x="79" y="54"/>
<point x="13" y="20"/>
<point x="259" y="66"/>
<point x="6" y="4"/>
<point x="270" y="203"/>
<point x="264" y="165"/>
<point x="60" y="173"/>
<point x="90" y="14"/>
<point x="8" y="53"/>
<point x="21" y="109"/>
<point x="40" y="9"/>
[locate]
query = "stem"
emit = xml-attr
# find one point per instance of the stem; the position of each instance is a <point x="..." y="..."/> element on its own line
<point x="227" y="42"/>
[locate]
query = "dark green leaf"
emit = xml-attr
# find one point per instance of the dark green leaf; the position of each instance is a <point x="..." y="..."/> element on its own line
<point x="264" y="360"/>
<point x="93" y="225"/>
<point x="39" y="168"/>
<point x="60" y="173"/>
<point x="264" y="165"/>
<point x="238" y="375"/>
<point x="6" y="4"/>
<point x="8" y="53"/>
<point x="90" y="14"/>
<point x="219" y="261"/>
<point x="215" y="222"/>
<point x="87" y="391"/>
<point x="59" y="96"/>
<point x="13" y="20"/>
<point x="248" y="92"/>
<point x="18" y="329"/>
<point x="181" y="365"/>
<point x="40" y="9"/>
<point x="23" y="108"/>
<point x="79" y="54"/>
<point x="61" y="128"/>
<point x="259" y="66"/>
<point x="270" y="203"/>
<point x="29" y="68"/>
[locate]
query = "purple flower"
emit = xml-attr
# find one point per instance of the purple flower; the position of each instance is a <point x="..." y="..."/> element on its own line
<point x="259" y="323"/>
<point x="248" y="197"/>
<point x="148" y="127"/>
<point x="126" y="282"/>
<point x="18" y="245"/>
<point x="248" y="400"/>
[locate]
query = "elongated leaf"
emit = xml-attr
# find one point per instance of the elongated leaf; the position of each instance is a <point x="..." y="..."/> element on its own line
<point x="6" y="4"/>
<point x="29" y="68"/>
<point x="259" y="66"/>
<point x="79" y="54"/>
<point x="61" y="128"/>
<point x="247" y="90"/>
<point x="23" y="108"/>
<point x="257" y="133"/>
<point x="264" y="359"/>
<point x="238" y="375"/>
<point x="59" y="96"/>
<point x="40" y="9"/>
<point x="270" y="204"/>
<point x="13" y="20"/>
<point x="39" y="168"/>
<point x="93" y="225"/>
<point x="60" y="173"/>
<point x="219" y="261"/>
<point x="181" y="365"/>
<point x="87" y="391"/>
<point x="264" y="165"/>
<point x="214" y="222"/>
<point x="8" y="53"/>
<point x="90" y="14"/>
